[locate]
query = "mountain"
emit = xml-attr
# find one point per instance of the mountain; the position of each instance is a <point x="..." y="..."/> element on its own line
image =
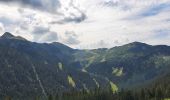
<point x="8" y="35"/>
<point x="30" y="69"/>
<point x="129" y="65"/>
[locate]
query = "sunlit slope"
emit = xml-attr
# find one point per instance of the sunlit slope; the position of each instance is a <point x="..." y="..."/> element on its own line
<point x="128" y="65"/>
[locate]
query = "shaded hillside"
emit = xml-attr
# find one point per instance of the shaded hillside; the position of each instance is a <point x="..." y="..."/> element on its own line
<point x="29" y="68"/>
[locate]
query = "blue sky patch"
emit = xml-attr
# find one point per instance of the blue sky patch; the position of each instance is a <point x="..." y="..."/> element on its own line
<point x="155" y="10"/>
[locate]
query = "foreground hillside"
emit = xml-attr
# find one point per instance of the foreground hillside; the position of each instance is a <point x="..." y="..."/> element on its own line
<point x="29" y="69"/>
<point x="158" y="90"/>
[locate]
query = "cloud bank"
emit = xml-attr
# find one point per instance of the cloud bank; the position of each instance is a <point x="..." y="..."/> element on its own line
<point x="88" y="23"/>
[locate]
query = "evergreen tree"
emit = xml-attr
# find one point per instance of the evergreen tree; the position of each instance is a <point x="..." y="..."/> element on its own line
<point x="50" y="97"/>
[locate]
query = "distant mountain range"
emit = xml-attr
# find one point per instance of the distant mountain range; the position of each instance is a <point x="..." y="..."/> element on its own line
<point x="29" y="68"/>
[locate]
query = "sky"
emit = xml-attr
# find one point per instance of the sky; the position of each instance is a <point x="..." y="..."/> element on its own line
<point x="88" y="24"/>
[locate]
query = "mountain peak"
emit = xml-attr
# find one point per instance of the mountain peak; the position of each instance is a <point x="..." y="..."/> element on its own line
<point x="137" y="44"/>
<point x="8" y="35"/>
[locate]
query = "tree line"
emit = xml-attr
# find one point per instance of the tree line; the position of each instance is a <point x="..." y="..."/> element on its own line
<point x="153" y="92"/>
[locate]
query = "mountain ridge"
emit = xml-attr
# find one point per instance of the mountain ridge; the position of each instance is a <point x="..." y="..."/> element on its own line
<point x="33" y="68"/>
<point x="8" y="35"/>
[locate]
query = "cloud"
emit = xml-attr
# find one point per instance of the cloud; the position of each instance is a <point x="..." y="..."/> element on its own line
<point x="71" y="38"/>
<point x="154" y="10"/>
<point x="88" y="23"/>
<point x="7" y="21"/>
<point x="2" y="29"/>
<point x="44" y="5"/>
<point x="71" y="19"/>
<point x="102" y="44"/>
<point x="69" y="14"/>
<point x="74" y="18"/>
<point x="49" y="37"/>
<point x="78" y="17"/>
<point x="117" y="4"/>
<point x="161" y="34"/>
<point x="40" y="30"/>
<point x="42" y="33"/>
<point x="110" y="3"/>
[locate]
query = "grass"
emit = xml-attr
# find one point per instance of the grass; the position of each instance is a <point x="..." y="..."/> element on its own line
<point x="71" y="81"/>
<point x="114" y="88"/>
<point x="60" y="65"/>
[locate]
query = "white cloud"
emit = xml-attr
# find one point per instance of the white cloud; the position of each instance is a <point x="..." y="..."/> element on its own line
<point x="71" y="38"/>
<point x="95" y="23"/>
<point x="1" y="28"/>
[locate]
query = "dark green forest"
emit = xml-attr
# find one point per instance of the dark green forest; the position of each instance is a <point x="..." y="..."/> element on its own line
<point x="159" y="90"/>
